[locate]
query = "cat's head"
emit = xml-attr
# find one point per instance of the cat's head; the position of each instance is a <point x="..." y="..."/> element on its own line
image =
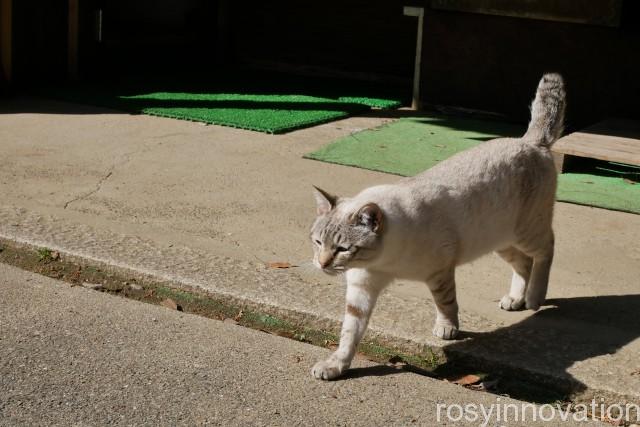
<point x="344" y="235"/>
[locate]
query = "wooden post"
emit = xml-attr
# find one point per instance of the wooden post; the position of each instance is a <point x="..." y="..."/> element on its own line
<point x="223" y="28"/>
<point x="419" y="12"/>
<point x="72" y="39"/>
<point x="6" y="42"/>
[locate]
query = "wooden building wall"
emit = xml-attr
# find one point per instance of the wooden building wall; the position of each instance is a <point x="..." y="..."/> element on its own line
<point x="470" y="60"/>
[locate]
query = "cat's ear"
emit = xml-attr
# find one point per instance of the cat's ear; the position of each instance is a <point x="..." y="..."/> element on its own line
<point x="324" y="200"/>
<point x="370" y="215"/>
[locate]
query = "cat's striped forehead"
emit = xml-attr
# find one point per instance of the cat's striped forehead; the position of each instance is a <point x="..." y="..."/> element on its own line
<point x="338" y="229"/>
<point x="327" y="225"/>
<point x="332" y="227"/>
<point x="333" y="231"/>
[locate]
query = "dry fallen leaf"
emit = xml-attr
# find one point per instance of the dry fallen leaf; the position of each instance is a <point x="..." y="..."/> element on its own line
<point x="629" y="181"/>
<point x="636" y="372"/>
<point x="279" y="265"/>
<point x="169" y="303"/>
<point x="239" y="315"/>
<point x="465" y="379"/>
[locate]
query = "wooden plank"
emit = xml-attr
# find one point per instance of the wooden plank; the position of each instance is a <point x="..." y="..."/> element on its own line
<point x="72" y="39"/>
<point x="616" y="127"/>
<point x="613" y="140"/>
<point x="6" y="42"/>
<point x="601" y="12"/>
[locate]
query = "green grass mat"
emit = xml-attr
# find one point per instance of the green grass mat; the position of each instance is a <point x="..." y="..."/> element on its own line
<point x="262" y="102"/>
<point x="411" y="145"/>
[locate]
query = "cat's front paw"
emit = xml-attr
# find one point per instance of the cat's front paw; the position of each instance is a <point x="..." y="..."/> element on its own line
<point x="509" y="303"/>
<point x="445" y="331"/>
<point x="328" y="369"/>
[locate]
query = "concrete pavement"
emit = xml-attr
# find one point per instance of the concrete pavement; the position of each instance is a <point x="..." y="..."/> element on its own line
<point x="72" y="356"/>
<point x="207" y="206"/>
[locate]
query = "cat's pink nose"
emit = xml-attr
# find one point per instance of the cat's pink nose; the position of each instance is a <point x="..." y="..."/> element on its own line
<point x="324" y="261"/>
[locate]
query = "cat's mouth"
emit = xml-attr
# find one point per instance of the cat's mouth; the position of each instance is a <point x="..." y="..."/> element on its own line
<point x="333" y="271"/>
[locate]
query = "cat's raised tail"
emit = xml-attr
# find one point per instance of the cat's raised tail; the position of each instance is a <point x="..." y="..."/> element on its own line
<point x="547" y="111"/>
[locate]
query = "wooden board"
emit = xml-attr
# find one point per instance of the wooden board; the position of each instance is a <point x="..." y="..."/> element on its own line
<point x="613" y="140"/>
<point x="596" y="12"/>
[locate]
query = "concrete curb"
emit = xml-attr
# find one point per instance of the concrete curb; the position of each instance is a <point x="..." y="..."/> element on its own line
<point x="400" y="321"/>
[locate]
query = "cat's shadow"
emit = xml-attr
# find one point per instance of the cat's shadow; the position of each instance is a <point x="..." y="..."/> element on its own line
<point x="563" y="332"/>
<point x="383" y="370"/>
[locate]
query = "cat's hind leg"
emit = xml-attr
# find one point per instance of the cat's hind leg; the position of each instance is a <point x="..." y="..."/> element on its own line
<point x="363" y="289"/>
<point x="443" y="288"/>
<point x="521" y="265"/>
<point x="542" y="254"/>
<point x="540" y="249"/>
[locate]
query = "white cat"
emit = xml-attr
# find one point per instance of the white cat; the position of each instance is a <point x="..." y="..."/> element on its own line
<point x="497" y="196"/>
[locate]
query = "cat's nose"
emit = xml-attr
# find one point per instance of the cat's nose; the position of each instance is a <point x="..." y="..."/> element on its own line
<point x="324" y="261"/>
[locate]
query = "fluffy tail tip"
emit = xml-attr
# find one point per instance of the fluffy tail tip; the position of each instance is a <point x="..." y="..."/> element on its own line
<point x="547" y="110"/>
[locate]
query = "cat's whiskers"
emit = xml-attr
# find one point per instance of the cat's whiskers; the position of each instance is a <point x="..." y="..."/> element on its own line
<point x="307" y="266"/>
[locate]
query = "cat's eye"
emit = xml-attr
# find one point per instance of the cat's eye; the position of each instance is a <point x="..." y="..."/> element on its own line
<point x="318" y="242"/>
<point x="341" y="249"/>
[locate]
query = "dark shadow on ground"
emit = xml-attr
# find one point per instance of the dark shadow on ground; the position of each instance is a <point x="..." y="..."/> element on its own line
<point x="530" y="359"/>
<point x="370" y="371"/>
<point x="383" y="370"/>
<point x="565" y="331"/>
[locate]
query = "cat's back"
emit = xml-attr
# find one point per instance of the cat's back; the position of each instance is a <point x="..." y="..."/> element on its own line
<point x="496" y="178"/>
<point x="488" y="190"/>
<point x="497" y="164"/>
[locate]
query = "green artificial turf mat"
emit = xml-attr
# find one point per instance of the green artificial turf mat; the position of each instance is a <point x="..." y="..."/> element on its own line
<point x="411" y="145"/>
<point x="262" y="102"/>
<point x="619" y="192"/>
<point x="266" y="113"/>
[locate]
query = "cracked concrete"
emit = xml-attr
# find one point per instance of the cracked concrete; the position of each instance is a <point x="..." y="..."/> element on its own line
<point x="90" y="193"/>
<point x="202" y="204"/>
<point x="125" y="158"/>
